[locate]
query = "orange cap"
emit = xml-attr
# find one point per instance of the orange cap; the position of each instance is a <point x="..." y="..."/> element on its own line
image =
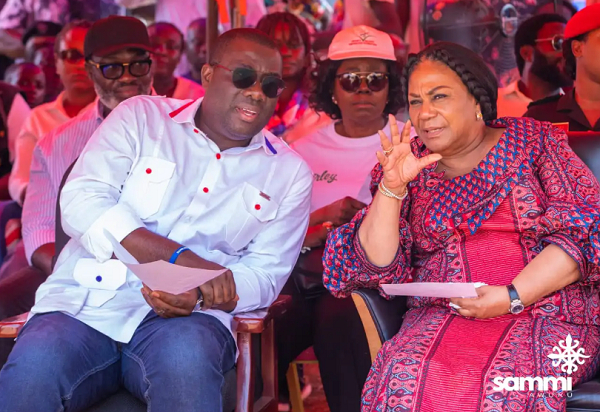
<point x="584" y="21"/>
<point x="361" y="41"/>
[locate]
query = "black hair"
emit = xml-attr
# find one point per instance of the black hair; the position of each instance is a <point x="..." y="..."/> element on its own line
<point x="269" y="22"/>
<point x="81" y="24"/>
<point x="570" y="60"/>
<point x="565" y="3"/>
<point x="470" y="68"/>
<point x="167" y="24"/>
<point x="40" y="29"/>
<point x="252" y="35"/>
<point x="322" y="89"/>
<point x="527" y="33"/>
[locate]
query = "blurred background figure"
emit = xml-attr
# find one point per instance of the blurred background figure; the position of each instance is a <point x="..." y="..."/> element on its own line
<point x="30" y="79"/>
<point x="539" y="55"/>
<point x="292" y="37"/>
<point x="78" y="93"/>
<point x="39" y="49"/>
<point x="168" y="44"/>
<point x="195" y="49"/>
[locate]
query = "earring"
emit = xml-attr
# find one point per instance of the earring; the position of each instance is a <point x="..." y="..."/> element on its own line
<point x="333" y="100"/>
<point x="479" y="116"/>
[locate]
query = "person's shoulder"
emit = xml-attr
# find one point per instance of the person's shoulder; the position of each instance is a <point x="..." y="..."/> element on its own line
<point x="65" y="132"/>
<point x="316" y="137"/>
<point x="284" y="153"/>
<point x="545" y="102"/>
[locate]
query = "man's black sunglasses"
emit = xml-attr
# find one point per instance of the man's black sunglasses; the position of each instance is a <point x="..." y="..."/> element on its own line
<point x="114" y="71"/>
<point x="245" y="77"/>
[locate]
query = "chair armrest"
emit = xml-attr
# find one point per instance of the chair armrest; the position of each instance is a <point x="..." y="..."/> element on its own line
<point x="10" y="327"/>
<point x="258" y="320"/>
<point x="381" y="318"/>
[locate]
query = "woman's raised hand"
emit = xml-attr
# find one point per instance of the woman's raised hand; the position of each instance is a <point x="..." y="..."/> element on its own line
<point x="399" y="165"/>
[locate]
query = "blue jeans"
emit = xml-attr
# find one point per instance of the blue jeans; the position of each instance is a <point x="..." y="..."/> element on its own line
<point x="175" y="365"/>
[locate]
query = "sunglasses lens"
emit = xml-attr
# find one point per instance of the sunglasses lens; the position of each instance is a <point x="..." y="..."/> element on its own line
<point x="112" y="71"/>
<point x="377" y="81"/>
<point x="350" y="82"/>
<point x="272" y="86"/>
<point x="557" y="43"/>
<point x="71" y="56"/>
<point x="243" y="78"/>
<point x="139" y="69"/>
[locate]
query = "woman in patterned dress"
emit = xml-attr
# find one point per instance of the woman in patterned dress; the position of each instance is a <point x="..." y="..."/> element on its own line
<point x="501" y="201"/>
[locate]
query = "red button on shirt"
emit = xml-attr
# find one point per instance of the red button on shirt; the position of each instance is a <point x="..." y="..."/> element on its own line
<point x="205" y="190"/>
<point x="218" y="156"/>
<point x="148" y="170"/>
<point x="257" y="207"/>
<point x="196" y="131"/>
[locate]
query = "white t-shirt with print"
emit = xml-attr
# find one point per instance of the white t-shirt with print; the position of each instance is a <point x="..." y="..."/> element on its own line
<point x="341" y="165"/>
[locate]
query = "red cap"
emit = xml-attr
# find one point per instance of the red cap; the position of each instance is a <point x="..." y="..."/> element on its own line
<point x="115" y="33"/>
<point x="361" y="41"/>
<point x="584" y="21"/>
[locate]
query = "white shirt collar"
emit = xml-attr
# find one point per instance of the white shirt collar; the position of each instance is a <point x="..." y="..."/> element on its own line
<point x="187" y="112"/>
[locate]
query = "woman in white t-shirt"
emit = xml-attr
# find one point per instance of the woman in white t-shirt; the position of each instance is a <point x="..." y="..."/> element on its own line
<point x="359" y="85"/>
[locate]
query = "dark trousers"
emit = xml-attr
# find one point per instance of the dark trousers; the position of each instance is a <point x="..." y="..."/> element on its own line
<point x="332" y="326"/>
<point x="18" y="284"/>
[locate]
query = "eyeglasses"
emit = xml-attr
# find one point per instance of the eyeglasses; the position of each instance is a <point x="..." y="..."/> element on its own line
<point x="114" y="71"/>
<point x="72" y="56"/>
<point x="557" y="41"/>
<point x="351" y="82"/>
<point x="245" y="77"/>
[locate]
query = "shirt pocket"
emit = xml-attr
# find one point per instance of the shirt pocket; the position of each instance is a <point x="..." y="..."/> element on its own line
<point x="255" y="210"/>
<point x="147" y="184"/>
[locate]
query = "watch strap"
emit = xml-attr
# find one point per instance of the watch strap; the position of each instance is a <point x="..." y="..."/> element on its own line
<point x="512" y="293"/>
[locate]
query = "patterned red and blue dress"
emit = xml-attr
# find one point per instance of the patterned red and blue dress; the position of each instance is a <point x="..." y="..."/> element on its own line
<point x="529" y="191"/>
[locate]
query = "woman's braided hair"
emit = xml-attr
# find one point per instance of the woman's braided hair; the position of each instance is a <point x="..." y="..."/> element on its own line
<point x="470" y="68"/>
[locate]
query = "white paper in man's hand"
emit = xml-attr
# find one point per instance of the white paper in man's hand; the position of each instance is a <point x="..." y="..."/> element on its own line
<point x="433" y="289"/>
<point x="164" y="276"/>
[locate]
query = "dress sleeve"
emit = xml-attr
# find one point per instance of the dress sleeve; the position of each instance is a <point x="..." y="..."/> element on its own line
<point x="572" y="216"/>
<point x="346" y="267"/>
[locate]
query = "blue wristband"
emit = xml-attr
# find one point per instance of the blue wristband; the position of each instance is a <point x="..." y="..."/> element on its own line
<point x="178" y="252"/>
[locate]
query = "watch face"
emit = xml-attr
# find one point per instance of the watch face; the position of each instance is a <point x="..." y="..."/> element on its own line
<point x="516" y="308"/>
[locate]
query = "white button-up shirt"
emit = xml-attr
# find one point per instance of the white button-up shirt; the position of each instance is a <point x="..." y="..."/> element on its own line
<point x="148" y="166"/>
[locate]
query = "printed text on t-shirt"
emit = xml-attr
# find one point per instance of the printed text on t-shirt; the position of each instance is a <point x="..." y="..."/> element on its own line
<point x="325" y="176"/>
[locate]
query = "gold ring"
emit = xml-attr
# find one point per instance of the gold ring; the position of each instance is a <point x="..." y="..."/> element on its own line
<point x="388" y="151"/>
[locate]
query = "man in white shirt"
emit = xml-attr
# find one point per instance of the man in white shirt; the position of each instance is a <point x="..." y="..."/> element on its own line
<point x="78" y="93"/>
<point x="538" y="50"/>
<point x="167" y="42"/>
<point x="52" y="156"/>
<point x="158" y="174"/>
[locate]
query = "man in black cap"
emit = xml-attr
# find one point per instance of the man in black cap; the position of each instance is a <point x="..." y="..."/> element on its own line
<point x="119" y="64"/>
<point x="198" y="184"/>
<point x="580" y="107"/>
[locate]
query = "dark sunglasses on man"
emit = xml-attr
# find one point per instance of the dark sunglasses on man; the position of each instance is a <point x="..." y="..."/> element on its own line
<point x="556" y="41"/>
<point x="245" y="77"/>
<point x="72" y="56"/>
<point x="114" y="71"/>
<point x="351" y="82"/>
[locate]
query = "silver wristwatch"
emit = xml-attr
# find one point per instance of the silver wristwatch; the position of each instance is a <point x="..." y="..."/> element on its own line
<point x="516" y="306"/>
<point x="199" y="302"/>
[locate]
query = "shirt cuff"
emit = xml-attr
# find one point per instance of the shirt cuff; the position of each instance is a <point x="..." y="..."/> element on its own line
<point x="16" y="188"/>
<point x="119" y="221"/>
<point x="248" y="289"/>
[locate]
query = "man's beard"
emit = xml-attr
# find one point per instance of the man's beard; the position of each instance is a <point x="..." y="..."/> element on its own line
<point x="549" y="72"/>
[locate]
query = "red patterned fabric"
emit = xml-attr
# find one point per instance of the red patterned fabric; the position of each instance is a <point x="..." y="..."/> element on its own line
<point x="529" y="191"/>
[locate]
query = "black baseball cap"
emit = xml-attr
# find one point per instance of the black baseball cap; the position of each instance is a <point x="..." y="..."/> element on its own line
<point x="115" y="33"/>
